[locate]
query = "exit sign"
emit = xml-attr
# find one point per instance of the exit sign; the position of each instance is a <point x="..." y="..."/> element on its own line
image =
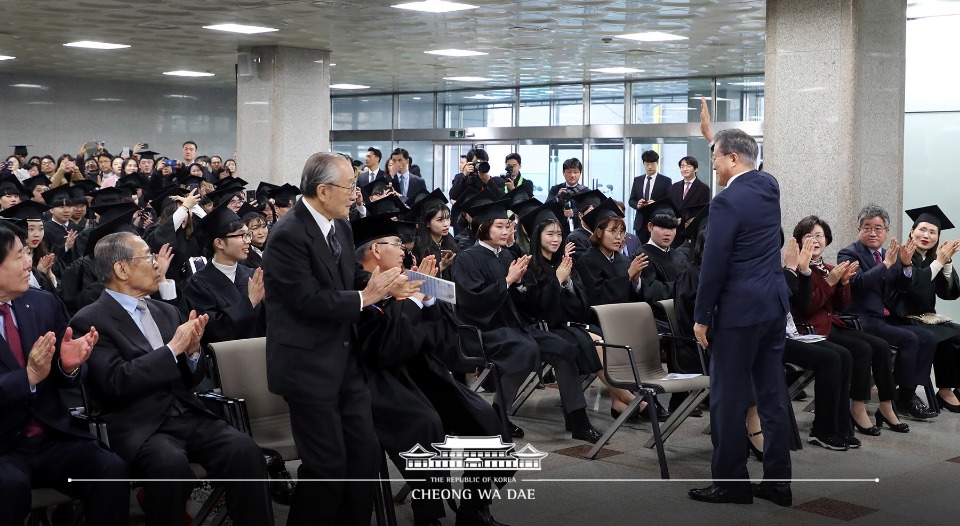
<point x="458" y="134"/>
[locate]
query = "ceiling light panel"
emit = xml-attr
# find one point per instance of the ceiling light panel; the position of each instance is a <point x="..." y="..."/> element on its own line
<point x="455" y="53"/>
<point x="242" y="29"/>
<point x="90" y="44"/>
<point x="435" y="6"/>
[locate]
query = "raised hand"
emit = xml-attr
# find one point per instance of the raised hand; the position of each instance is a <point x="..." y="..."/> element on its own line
<point x="564" y="269"/>
<point x="446" y="259"/>
<point x="41" y="355"/>
<point x="73" y="352"/>
<point x="46" y="263"/>
<point x="517" y="269"/>
<point x="636" y="267"/>
<point x="569" y="249"/>
<point x="946" y="251"/>
<point x="893" y="252"/>
<point x="791" y="254"/>
<point x="850" y="273"/>
<point x="806" y="253"/>
<point x="164" y="257"/>
<point x="705" y="121"/>
<point x="191" y="200"/>
<point x="255" y="287"/>
<point x="906" y="252"/>
<point x="380" y="284"/>
<point x="837" y="273"/>
<point x="70" y="239"/>
<point x="428" y="266"/>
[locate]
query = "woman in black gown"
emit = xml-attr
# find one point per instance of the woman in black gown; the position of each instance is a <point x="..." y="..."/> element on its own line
<point x="433" y="232"/>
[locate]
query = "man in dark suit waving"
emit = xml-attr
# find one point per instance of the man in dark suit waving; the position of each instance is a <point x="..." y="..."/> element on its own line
<point x="742" y="298"/>
<point x="311" y="361"/>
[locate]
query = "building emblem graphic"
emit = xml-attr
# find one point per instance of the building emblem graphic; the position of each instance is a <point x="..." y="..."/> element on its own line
<point x="473" y="453"/>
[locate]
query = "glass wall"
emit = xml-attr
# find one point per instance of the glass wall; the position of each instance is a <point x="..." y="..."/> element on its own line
<point x="373" y="112"/>
<point x="604" y="169"/>
<point x="672" y="101"/>
<point x="543" y="162"/>
<point x="415" y="111"/>
<point x="606" y="104"/>
<point x="551" y="105"/>
<point x="476" y="109"/>
<point x="740" y="99"/>
<point x="421" y="155"/>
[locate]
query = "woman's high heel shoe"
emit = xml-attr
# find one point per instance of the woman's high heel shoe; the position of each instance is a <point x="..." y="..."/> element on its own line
<point x="953" y="408"/>
<point x="899" y="428"/>
<point x="753" y="449"/>
<point x="616" y="414"/>
<point x="873" y="431"/>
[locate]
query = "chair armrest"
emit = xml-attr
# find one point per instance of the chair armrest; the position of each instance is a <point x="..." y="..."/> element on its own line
<point x="677" y="339"/>
<point x="466" y="332"/>
<point x="850" y="321"/>
<point x="805" y="328"/>
<point x="633" y="366"/>
<point x="235" y="409"/>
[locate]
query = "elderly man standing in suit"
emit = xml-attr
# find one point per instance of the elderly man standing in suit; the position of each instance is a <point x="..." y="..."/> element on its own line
<point x="743" y="299"/>
<point x="141" y="372"/>
<point x="311" y="359"/>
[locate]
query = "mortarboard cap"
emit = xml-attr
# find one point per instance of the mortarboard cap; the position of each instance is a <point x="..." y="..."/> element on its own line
<point x="600" y="212"/>
<point x="32" y="182"/>
<point x="226" y="194"/>
<point x="25" y="210"/>
<point x="517" y="195"/>
<point x="248" y="212"/>
<point x="285" y="195"/>
<point x="532" y="218"/>
<point x="388" y="205"/>
<point x="119" y="223"/>
<point x="465" y="197"/>
<point x="108" y="212"/>
<point x="375" y="187"/>
<point x="930" y="214"/>
<point x="589" y="198"/>
<point x="133" y="181"/>
<point x="21" y="150"/>
<point x="379" y="226"/>
<point x="80" y="189"/>
<point x="110" y="195"/>
<point x="664" y="205"/>
<point x="521" y="208"/>
<point x="163" y="198"/>
<point x="227" y="182"/>
<point x="59" y="196"/>
<point x="148" y="154"/>
<point x="483" y="210"/>
<point x="422" y="200"/>
<point x="217" y="223"/>
<point x="9" y="184"/>
<point x="263" y="192"/>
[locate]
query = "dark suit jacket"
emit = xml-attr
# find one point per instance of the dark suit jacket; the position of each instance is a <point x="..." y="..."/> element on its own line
<point x="367" y="178"/>
<point x="36" y="312"/>
<point x="232" y="317"/>
<point x="661" y="189"/>
<point x="741" y="278"/>
<point x="312" y="306"/>
<point x="873" y="284"/>
<point x="131" y="383"/>
<point x="699" y="194"/>
<point x="462" y="182"/>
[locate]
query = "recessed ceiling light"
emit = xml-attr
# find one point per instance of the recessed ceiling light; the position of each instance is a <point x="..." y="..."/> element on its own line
<point x="467" y="79"/>
<point x="179" y="96"/>
<point x="652" y="36"/>
<point x="549" y="92"/>
<point x="39" y="102"/>
<point x="751" y="84"/>
<point x="240" y="28"/>
<point x="186" y="73"/>
<point x="416" y="98"/>
<point x="435" y="6"/>
<point x="6" y="57"/>
<point x="455" y="53"/>
<point x="108" y="99"/>
<point x="348" y="86"/>
<point x="30" y="86"/>
<point x="257" y="103"/>
<point x="617" y="70"/>
<point x="90" y="44"/>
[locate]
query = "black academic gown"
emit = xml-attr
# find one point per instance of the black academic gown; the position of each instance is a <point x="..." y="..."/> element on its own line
<point x="606" y="281"/>
<point x="232" y="317"/>
<point x="54" y="235"/>
<point x="254" y="258"/>
<point x="580" y="238"/>
<point x="183" y="248"/>
<point x="661" y="272"/>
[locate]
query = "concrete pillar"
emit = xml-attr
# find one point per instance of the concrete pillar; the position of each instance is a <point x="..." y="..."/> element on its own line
<point x="833" y="125"/>
<point x="283" y="113"/>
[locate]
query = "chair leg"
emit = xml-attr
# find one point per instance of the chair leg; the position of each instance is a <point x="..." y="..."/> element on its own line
<point x="613" y="428"/>
<point x="587" y="381"/>
<point x="529" y="386"/>
<point x="475" y="386"/>
<point x="661" y="456"/>
<point x="208" y="504"/>
<point x="383" y="504"/>
<point x="679" y="415"/>
<point x="931" y="396"/>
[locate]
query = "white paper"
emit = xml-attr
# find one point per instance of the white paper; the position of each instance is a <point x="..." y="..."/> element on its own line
<point x="680" y="376"/>
<point x="807" y="338"/>
<point x="438" y="288"/>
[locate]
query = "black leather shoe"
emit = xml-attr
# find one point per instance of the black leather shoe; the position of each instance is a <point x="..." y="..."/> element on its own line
<point x="902" y="427"/>
<point x="776" y="492"/>
<point x="515" y="430"/>
<point x="477" y="518"/>
<point x="830" y="441"/>
<point x="717" y="495"/>
<point x="589" y="434"/>
<point x="914" y="408"/>
<point x="802" y="395"/>
<point x="873" y="431"/>
<point x="947" y="405"/>
<point x="853" y="442"/>
<point x="662" y="414"/>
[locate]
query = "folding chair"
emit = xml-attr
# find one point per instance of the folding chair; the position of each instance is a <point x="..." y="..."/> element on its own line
<point x="472" y="352"/>
<point x="42" y="498"/>
<point x="638" y="368"/>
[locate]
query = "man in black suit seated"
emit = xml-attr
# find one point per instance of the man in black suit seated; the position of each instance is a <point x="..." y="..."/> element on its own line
<point x="648" y="188"/>
<point x="39" y="446"/>
<point x="476" y="176"/>
<point x="311" y="361"/>
<point x="141" y="372"/>
<point x="881" y="273"/>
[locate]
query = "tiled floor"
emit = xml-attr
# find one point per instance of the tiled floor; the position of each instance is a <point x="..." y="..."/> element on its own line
<point x="918" y="476"/>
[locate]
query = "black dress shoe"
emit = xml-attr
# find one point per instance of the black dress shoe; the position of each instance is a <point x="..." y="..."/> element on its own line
<point x="778" y="493"/>
<point x="830" y="441"/>
<point x="947" y="405"/>
<point x="915" y="409"/>
<point x="899" y="428"/>
<point x="616" y="414"/>
<point x="478" y="518"/>
<point x="662" y="414"/>
<point x="718" y="495"/>
<point x="515" y="430"/>
<point x="853" y="442"/>
<point x="873" y="431"/>
<point x="589" y="434"/>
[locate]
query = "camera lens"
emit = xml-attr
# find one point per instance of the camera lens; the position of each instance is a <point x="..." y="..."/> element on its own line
<point x="483" y="167"/>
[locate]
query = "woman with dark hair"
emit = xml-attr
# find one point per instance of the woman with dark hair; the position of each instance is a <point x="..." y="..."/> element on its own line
<point x="256" y="223"/>
<point x="178" y="217"/>
<point x="934" y="277"/>
<point x="130" y="167"/>
<point x="609" y="276"/>
<point x="433" y="233"/>
<point x="830" y="296"/>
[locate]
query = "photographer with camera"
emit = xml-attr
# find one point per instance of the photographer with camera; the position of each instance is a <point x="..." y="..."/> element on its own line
<point x="476" y="175"/>
<point x="570" y="187"/>
<point x="512" y="178"/>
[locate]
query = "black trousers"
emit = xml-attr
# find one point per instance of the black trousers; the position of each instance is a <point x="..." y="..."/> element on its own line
<point x="221" y="449"/>
<point x="946" y="361"/>
<point x="48" y="461"/>
<point x="336" y="440"/>
<point x="747" y="365"/>
<point x="915" y="350"/>
<point x="831" y="366"/>
<point x="869" y="353"/>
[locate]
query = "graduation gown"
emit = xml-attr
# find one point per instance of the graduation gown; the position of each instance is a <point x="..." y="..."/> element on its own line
<point x="581" y="242"/>
<point x="684" y="300"/>
<point x="434" y="249"/>
<point x="922" y="298"/>
<point x="606" y="281"/>
<point x="183" y="248"/>
<point x="661" y="272"/>
<point x="231" y="315"/>
<point x="254" y="258"/>
<point x="54" y="235"/>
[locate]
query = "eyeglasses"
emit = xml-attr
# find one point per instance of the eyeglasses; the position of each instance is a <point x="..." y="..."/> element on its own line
<point x="236" y="201"/>
<point x="350" y="189"/>
<point x="875" y="230"/>
<point x="617" y="234"/>
<point x="814" y="236"/>
<point x="151" y="257"/>
<point x="246" y="236"/>
<point x="391" y="243"/>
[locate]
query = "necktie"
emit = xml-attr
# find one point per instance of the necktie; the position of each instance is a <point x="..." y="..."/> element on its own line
<point x="646" y="192"/>
<point x="33" y="427"/>
<point x="334" y="244"/>
<point x="403" y="184"/>
<point x="150" y="329"/>
<point x="686" y="188"/>
<point x="879" y="260"/>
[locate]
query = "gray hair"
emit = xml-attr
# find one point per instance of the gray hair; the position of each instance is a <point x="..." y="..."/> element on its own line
<point x="109" y="250"/>
<point x="362" y="250"/>
<point x="872" y="210"/>
<point x="320" y="168"/>
<point x="738" y="142"/>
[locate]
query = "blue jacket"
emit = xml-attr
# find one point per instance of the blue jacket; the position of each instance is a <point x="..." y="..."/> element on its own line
<point x="741" y="278"/>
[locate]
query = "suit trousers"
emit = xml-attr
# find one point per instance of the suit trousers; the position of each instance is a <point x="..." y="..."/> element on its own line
<point x="869" y="353"/>
<point x="915" y="350"/>
<point x="336" y="440"/>
<point x="946" y="361"/>
<point x="221" y="449"/>
<point x="46" y="461"/>
<point x="747" y="365"/>
<point x="831" y="366"/>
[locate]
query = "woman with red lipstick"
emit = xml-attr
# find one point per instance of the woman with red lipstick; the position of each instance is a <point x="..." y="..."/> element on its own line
<point x="934" y="277"/>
